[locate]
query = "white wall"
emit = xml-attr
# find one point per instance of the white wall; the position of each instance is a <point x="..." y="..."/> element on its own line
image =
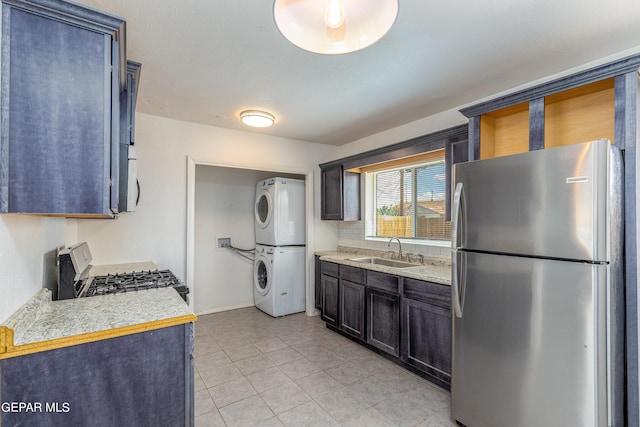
<point x="27" y="256"/>
<point x="224" y="207"/>
<point x="157" y="231"/>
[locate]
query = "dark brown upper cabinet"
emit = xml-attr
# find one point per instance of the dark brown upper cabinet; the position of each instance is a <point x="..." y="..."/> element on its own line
<point x="340" y="194"/>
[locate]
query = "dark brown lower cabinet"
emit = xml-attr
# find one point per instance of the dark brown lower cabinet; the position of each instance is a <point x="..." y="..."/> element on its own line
<point x="330" y="299"/>
<point x="426" y="326"/>
<point x="352" y="308"/>
<point x="383" y="312"/>
<point x="408" y="320"/>
<point x="383" y="325"/>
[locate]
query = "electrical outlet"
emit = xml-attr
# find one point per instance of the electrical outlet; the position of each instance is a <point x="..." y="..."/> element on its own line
<point x="223" y="242"/>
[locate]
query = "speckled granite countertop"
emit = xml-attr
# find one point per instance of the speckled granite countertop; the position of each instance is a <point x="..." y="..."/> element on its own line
<point x="42" y="324"/>
<point x="434" y="270"/>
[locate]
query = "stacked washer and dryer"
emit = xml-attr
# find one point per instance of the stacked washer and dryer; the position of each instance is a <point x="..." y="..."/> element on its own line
<point x="279" y="267"/>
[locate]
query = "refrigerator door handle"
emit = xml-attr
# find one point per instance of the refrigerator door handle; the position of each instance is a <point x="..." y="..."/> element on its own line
<point x="458" y="264"/>
<point x="458" y="218"/>
<point x="457" y="237"/>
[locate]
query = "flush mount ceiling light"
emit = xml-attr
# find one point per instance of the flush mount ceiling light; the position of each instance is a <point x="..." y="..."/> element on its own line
<point x="334" y="26"/>
<point x="257" y="119"/>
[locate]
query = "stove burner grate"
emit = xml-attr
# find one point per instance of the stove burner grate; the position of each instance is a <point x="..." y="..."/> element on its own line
<point x="135" y="281"/>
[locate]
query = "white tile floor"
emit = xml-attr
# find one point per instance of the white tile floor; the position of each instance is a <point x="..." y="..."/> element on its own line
<point x="254" y="370"/>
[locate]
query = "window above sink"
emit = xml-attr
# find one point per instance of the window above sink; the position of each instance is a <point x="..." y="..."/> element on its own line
<point x="408" y="200"/>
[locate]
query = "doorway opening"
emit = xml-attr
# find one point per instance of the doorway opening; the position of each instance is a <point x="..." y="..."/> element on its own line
<point x="220" y="206"/>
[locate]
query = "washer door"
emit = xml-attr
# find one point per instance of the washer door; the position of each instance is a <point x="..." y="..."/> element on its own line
<point x="262" y="275"/>
<point x="263" y="208"/>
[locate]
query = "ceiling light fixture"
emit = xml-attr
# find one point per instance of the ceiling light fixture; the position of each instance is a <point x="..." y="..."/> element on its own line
<point x="257" y="119"/>
<point x="334" y="26"/>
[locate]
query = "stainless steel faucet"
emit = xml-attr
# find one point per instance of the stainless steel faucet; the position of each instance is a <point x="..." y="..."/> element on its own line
<point x="399" y="246"/>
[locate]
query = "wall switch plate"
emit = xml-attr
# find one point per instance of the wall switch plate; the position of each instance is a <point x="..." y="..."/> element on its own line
<point x="224" y="242"/>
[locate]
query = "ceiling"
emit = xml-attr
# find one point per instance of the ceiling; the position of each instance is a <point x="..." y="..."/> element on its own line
<point x="205" y="61"/>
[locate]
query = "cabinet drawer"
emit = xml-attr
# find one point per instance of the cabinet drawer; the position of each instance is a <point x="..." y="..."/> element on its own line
<point x="432" y="293"/>
<point x="329" y="268"/>
<point x="382" y="281"/>
<point x="353" y="274"/>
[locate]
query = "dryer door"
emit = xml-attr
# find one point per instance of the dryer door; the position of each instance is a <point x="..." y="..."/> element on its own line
<point x="262" y="275"/>
<point x="263" y="207"/>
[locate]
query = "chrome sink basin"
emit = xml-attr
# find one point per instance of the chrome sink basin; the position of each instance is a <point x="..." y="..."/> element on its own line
<point x="386" y="262"/>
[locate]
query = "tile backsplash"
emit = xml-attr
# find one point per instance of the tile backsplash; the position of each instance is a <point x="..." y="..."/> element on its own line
<point x="352" y="234"/>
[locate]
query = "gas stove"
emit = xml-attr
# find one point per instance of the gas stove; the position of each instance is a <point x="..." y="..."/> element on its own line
<point x="78" y="278"/>
<point x="133" y="281"/>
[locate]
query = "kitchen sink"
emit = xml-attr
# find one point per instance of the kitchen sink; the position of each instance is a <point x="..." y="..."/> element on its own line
<point x="385" y="262"/>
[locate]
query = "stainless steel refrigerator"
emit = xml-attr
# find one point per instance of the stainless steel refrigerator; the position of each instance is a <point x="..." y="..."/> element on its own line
<point x="537" y="289"/>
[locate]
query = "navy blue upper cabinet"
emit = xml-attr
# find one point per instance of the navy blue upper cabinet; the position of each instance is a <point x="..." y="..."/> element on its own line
<point x="63" y="75"/>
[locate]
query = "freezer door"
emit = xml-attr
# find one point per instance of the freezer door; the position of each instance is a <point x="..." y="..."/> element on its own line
<point x="530" y="347"/>
<point x="562" y="202"/>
